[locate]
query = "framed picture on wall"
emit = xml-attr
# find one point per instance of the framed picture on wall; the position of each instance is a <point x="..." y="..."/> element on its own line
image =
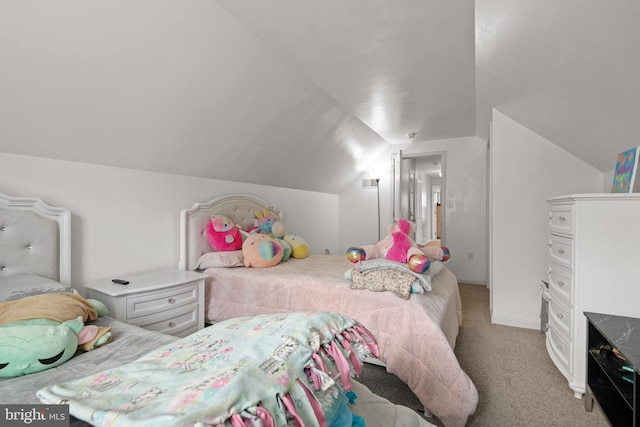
<point x="625" y="173"/>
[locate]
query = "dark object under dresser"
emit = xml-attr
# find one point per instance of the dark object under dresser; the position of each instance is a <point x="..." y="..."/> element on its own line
<point x="613" y="360"/>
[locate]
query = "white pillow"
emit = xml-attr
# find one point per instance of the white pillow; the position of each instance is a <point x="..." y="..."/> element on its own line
<point x="220" y="259"/>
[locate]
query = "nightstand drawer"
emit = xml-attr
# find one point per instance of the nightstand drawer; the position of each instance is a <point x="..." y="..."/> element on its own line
<point x="161" y="301"/>
<point x="561" y="250"/>
<point x="171" y="322"/>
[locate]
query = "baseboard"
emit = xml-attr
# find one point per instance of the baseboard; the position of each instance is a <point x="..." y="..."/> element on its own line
<point x="518" y="323"/>
<point x="472" y="282"/>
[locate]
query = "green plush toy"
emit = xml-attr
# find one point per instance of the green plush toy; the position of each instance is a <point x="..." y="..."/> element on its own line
<point x="33" y="344"/>
<point x="279" y="231"/>
<point x="29" y="348"/>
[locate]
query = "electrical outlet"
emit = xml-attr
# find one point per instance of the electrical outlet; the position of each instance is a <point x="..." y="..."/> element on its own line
<point x="471" y="256"/>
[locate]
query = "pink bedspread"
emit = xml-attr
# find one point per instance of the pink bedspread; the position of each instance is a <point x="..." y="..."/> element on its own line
<point x="416" y="336"/>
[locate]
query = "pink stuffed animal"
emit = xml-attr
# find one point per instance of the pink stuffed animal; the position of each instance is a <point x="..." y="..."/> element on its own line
<point x="396" y="246"/>
<point x="222" y="234"/>
<point x="435" y="252"/>
<point x="261" y="250"/>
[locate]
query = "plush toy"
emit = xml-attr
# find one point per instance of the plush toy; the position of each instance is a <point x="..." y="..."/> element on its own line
<point x="286" y="248"/>
<point x="263" y="222"/>
<point x="294" y="246"/>
<point x="299" y="247"/>
<point x="33" y="348"/>
<point x="435" y="252"/>
<point x="222" y="234"/>
<point x="261" y="250"/>
<point x="43" y="331"/>
<point x="278" y="230"/>
<point x="396" y="246"/>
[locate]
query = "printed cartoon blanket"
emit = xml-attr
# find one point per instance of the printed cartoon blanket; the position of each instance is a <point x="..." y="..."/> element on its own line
<point x="387" y="275"/>
<point x="253" y="371"/>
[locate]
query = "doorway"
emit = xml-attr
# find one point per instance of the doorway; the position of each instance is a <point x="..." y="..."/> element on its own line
<point x="418" y="188"/>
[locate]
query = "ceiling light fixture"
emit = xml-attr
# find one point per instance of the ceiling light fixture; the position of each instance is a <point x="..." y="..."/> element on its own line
<point x="412" y="135"/>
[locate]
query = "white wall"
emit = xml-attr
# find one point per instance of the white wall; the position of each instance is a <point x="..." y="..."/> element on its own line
<point x="526" y="169"/>
<point x="465" y="224"/>
<point x="358" y="215"/>
<point x="126" y="221"/>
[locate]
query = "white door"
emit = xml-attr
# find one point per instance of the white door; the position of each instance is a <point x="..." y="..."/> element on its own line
<point x="396" y="180"/>
<point x="420" y="213"/>
<point x="435" y="201"/>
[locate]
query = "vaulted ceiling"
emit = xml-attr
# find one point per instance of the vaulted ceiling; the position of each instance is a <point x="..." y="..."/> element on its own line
<point x="567" y="70"/>
<point x="400" y="67"/>
<point x="307" y="94"/>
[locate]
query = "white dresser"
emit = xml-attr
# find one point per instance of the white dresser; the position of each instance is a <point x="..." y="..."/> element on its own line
<point x="170" y="301"/>
<point x="594" y="265"/>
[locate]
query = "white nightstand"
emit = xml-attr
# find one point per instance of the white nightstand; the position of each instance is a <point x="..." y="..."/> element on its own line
<point x="171" y="301"/>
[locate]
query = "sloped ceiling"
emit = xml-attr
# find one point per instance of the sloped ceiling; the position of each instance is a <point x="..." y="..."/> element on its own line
<point x="297" y="94"/>
<point x="307" y="94"/>
<point x="401" y="67"/>
<point x="568" y="70"/>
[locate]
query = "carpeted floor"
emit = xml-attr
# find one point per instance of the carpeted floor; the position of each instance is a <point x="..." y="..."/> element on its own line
<point x="516" y="380"/>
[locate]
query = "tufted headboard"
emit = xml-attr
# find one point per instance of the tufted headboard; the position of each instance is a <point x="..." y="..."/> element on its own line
<point x="35" y="238"/>
<point x="240" y="208"/>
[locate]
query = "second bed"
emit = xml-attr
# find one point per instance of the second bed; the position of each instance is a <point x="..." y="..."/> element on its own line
<point x="416" y="336"/>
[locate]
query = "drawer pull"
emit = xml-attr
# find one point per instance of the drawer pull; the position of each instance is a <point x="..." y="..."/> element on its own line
<point x="560" y="283"/>
<point x="561" y="251"/>
<point x="561" y="219"/>
<point x="560" y="316"/>
<point x="171" y="324"/>
<point x="171" y="300"/>
<point x="559" y="347"/>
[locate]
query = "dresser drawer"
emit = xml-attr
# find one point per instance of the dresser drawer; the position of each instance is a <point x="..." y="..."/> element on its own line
<point x="560" y="318"/>
<point x="561" y="250"/>
<point x="561" y="219"/>
<point x="559" y="349"/>
<point x="171" y="322"/>
<point x="161" y="301"/>
<point x="560" y="284"/>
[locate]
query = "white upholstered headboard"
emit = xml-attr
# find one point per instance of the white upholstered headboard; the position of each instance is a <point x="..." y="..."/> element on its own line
<point x="35" y="238"/>
<point x="240" y="208"/>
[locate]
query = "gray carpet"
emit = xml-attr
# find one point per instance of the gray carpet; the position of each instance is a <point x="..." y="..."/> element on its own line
<point x="516" y="380"/>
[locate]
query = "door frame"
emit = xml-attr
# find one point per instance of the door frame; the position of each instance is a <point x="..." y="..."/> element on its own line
<point x="396" y="158"/>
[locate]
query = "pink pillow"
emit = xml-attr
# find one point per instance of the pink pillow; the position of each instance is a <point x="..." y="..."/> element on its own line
<point x="220" y="259"/>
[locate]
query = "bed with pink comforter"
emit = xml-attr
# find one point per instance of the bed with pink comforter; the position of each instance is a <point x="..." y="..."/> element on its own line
<point x="416" y="335"/>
